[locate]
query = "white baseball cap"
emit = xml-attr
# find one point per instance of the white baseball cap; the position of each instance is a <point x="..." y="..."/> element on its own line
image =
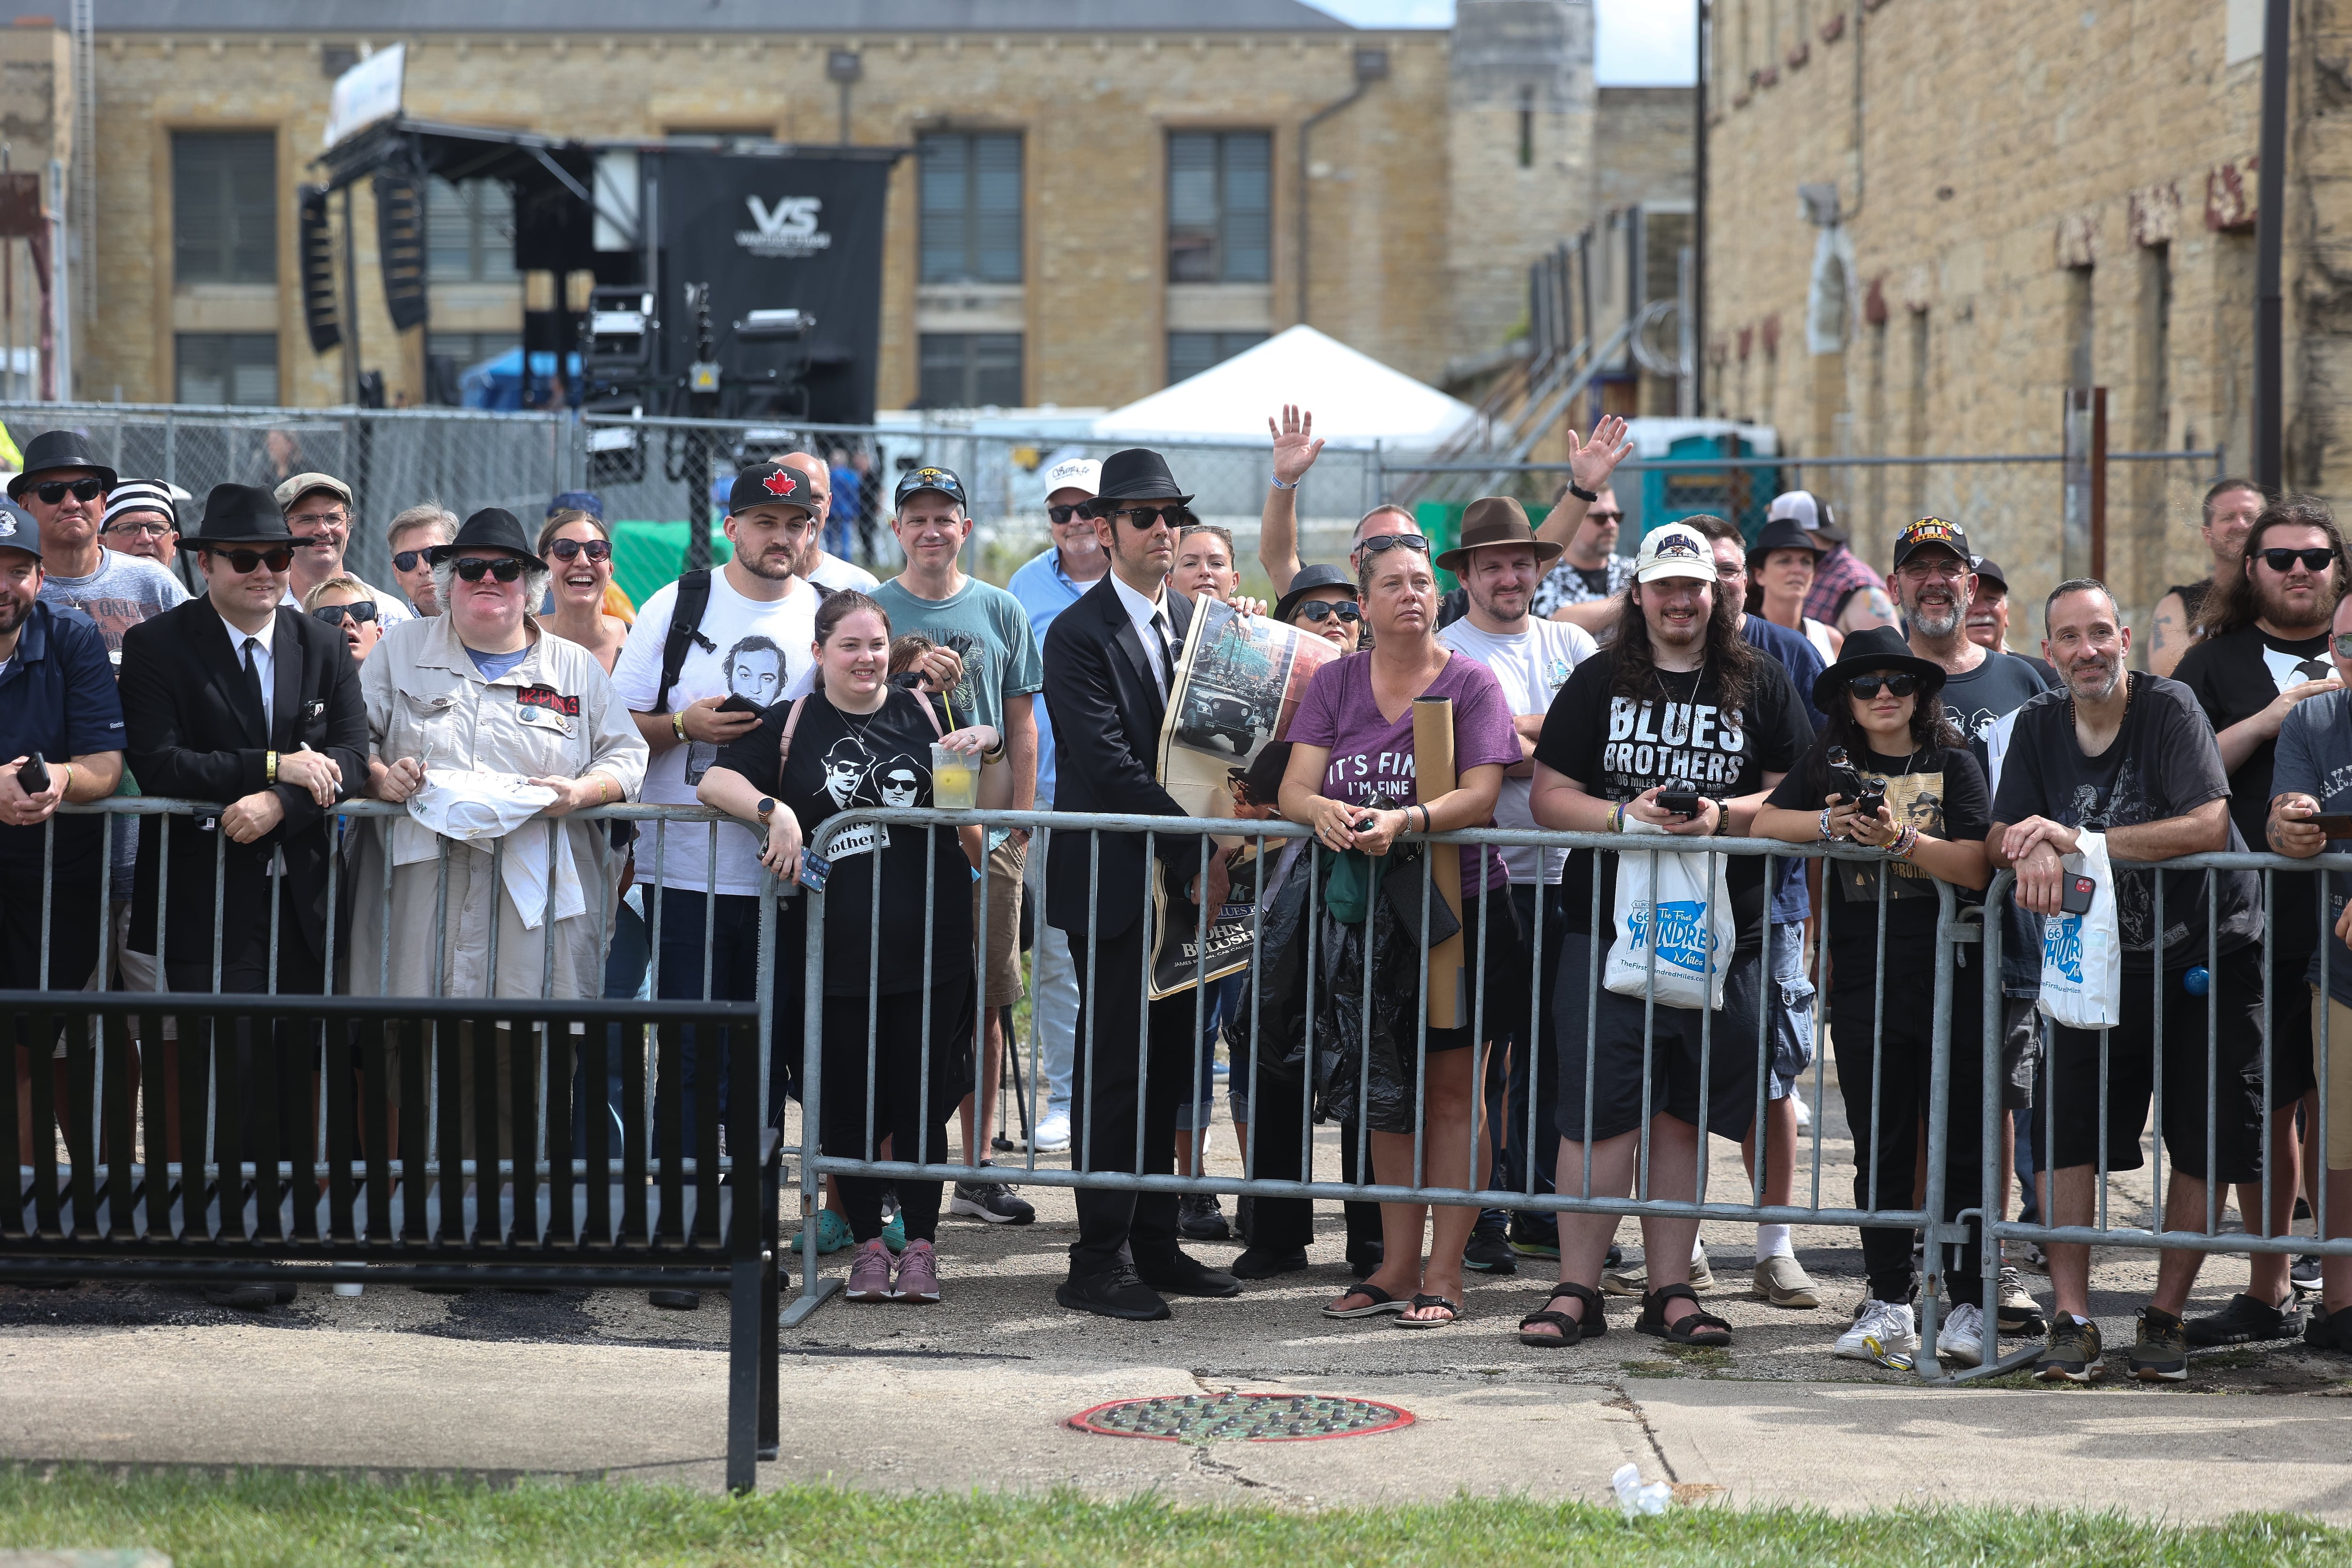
<point x="1808" y="511"/>
<point x="1074" y="474"/>
<point x="1675" y="550"/>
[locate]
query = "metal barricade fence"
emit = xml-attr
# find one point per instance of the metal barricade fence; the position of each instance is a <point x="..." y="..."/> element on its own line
<point x="2257" y="1235"/>
<point x="1958" y="928"/>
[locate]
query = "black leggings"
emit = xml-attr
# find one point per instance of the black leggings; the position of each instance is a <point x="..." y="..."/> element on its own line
<point x="898" y="1114"/>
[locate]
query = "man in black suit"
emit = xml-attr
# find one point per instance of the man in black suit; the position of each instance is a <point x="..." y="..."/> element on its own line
<point x="1108" y="660"/>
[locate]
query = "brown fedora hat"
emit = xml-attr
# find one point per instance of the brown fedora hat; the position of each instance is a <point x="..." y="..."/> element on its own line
<point x="1495" y="520"/>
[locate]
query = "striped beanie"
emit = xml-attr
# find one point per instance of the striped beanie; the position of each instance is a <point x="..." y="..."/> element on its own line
<point x="139" y="495"/>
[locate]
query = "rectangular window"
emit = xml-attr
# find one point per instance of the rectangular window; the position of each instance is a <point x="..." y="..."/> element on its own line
<point x="1220" y="206"/>
<point x="468" y="232"/>
<point x="224" y="206"/>
<point x="1190" y="354"/>
<point x="238" y="368"/>
<point x="971" y="207"/>
<point x="971" y="369"/>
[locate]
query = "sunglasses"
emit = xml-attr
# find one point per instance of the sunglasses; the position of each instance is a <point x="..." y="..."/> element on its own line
<point x="568" y="549"/>
<point x="407" y="559"/>
<point x="2343" y="645"/>
<point x="1377" y="543"/>
<point x="1896" y="685"/>
<point x="1062" y="514"/>
<point x="55" y="490"/>
<point x="1143" y="518"/>
<point x="2282" y="561"/>
<point x="1604" y="515"/>
<point x="278" y="559"/>
<point x="1324" y="609"/>
<point x="142" y="529"/>
<point x="334" y="615"/>
<point x="506" y="568"/>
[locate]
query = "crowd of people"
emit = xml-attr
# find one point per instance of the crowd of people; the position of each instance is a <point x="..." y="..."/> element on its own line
<point x="1706" y="684"/>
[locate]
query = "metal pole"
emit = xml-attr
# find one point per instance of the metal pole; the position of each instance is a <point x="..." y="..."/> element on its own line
<point x="2270" y="217"/>
<point x="1698" y="219"/>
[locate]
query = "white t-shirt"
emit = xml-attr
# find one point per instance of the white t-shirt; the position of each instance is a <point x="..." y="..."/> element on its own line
<point x="776" y="664"/>
<point x="1531" y="665"/>
<point x="832" y="572"/>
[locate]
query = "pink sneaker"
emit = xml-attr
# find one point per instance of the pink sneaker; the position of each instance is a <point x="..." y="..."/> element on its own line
<point x="918" y="1276"/>
<point x="869" y="1272"/>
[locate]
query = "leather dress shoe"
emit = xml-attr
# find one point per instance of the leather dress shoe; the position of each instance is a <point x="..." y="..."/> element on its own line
<point x="1115" y="1294"/>
<point x="1266" y="1262"/>
<point x="1176" y="1274"/>
<point x="246" y="1298"/>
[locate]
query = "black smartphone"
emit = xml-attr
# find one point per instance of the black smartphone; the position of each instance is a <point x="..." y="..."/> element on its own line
<point x="2076" y="898"/>
<point x="1681" y="802"/>
<point x="738" y="704"/>
<point x="34" y="777"/>
<point x="2338" y="825"/>
<point x="908" y="680"/>
<point x="815" y="870"/>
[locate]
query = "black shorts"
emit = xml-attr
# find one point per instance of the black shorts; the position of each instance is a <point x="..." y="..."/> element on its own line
<point x="2133" y="1054"/>
<point x="1672" y="1071"/>
<point x="2021" y="1051"/>
<point x="2288" y="951"/>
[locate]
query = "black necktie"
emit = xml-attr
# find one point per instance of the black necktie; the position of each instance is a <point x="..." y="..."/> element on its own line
<point x="1167" y="658"/>
<point x="253" y="681"/>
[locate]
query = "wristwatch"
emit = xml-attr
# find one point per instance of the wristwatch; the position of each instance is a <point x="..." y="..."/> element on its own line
<point x="1580" y="493"/>
<point x="766" y="809"/>
<point x="677" y="723"/>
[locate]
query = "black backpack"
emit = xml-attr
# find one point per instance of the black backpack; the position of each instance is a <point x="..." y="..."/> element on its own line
<point x="686" y="629"/>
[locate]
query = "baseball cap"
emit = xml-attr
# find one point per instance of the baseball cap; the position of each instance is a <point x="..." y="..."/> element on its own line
<point x="929" y="477"/>
<point x="1675" y="550"/>
<point x="300" y="485"/>
<point x="1074" y="474"/>
<point x="1809" y="511"/>
<point x="1987" y="570"/>
<point x="578" y="501"/>
<point x="1931" y="534"/>
<point x="767" y="484"/>
<point x="18" y="531"/>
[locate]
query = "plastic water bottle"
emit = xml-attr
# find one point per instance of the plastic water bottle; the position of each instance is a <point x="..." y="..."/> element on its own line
<point x="1634" y="1497"/>
<point x="2198" y="981"/>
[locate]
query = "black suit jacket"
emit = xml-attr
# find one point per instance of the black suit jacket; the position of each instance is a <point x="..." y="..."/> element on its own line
<point x="1107" y="711"/>
<point x="191" y="735"/>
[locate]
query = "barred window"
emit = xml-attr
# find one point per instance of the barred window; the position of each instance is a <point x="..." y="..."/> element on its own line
<point x="971" y="206"/>
<point x="971" y="369"/>
<point x="468" y="231"/>
<point x="1220" y="206"/>
<point x="224" y="206"/>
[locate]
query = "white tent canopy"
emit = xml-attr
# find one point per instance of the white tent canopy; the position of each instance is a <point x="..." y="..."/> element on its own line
<point x="1356" y="399"/>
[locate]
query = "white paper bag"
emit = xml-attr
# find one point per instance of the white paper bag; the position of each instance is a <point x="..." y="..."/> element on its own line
<point x="2082" y="955"/>
<point x="1695" y="932"/>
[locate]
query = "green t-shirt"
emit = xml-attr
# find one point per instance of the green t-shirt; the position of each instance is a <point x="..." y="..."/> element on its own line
<point x="988" y="629"/>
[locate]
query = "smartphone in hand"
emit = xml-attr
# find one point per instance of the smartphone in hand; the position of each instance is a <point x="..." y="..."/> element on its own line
<point x="1681" y="803"/>
<point x="2075" y="898"/>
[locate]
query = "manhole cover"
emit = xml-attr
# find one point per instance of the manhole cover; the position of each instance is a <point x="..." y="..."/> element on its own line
<point x="1240" y="1418"/>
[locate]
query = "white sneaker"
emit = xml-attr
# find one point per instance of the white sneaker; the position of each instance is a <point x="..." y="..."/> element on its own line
<point x="1888" y="1322"/>
<point x="1796" y="1103"/>
<point x="1960" y="1336"/>
<point x="1051" y="1134"/>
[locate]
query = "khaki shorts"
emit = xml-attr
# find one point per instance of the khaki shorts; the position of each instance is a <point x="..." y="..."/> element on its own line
<point x="1003" y="884"/>
<point x="2336" y="1027"/>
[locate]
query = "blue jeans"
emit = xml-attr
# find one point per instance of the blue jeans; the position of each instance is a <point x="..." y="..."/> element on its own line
<point x="626" y="965"/>
<point x="1791" y="1000"/>
<point x="1224" y="997"/>
<point x="733" y="949"/>
<point x="1053" y="989"/>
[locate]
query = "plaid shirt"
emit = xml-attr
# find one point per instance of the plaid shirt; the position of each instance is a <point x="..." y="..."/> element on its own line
<point x="1564" y="584"/>
<point x="1839" y="575"/>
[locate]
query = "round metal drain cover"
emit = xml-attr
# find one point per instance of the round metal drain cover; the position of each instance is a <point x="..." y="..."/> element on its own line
<point x="1240" y="1418"/>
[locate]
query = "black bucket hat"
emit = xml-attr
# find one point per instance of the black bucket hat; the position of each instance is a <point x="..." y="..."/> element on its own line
<point x="1136" y="474"/>
<point x="239" y="514"/>
<point x="53" y="449"/>
<point x="1784" y="534"/>
<point x="1308" y="580"/>
<point x="1874" y="647"/>
<point x="492" y="527"/>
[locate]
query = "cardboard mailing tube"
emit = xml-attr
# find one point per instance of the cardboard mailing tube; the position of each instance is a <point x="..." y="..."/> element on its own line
<point x="1433" y="770"/>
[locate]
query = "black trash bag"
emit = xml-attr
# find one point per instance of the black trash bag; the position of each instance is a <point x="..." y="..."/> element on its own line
<point x="1276" y="985"/>
<point x="1345" y="1090"/>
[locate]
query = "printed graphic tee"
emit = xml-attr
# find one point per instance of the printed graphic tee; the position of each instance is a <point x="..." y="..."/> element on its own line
<point x="124" y="591"/>
<point x="2314" y="757"/>
<point x="1531" y="665"/>
<point x="988" y="629"/>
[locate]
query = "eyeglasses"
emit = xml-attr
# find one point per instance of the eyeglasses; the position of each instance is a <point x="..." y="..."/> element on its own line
<point x="141" y="529"/>
<point x="334" y="615"/>
<point x="334" y="519"/>
<point x="278" y="558"/>
<point x="2282" y="561"/>
<point x="1944" y="571"/>
<point x="1604" y="515"/>
<point x="1059" y="515"/>
<point x="594" y="549"/>
<point x="1324" y="609"/>
<point x="407" y="559"/>
<point x="1142" y="519"/>
<point x="1896" y="685"/>
<point x="55" y="490"/>
<point x="1377" y="543"/>
<point x="506" y="568"/>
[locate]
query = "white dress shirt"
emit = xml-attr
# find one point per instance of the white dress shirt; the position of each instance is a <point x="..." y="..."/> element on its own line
<point x="1143" y="612"/>
<point x="262" y="661"/>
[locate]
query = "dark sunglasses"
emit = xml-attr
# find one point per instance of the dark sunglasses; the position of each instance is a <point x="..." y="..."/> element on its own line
<point x="1142" y="519"/>
<point x="1062" y="514"/>
<point x="1604" y="515"/>
<point x="407" y="559"/>
<point x="280" y="558"/>
<point x="55" y="490"/>
<point x="2282" y="561"/>
<point x="566" y="549"/>
<point x="2343" y="645"/>
<point x="506" y="568"/>
<point x="334" y="615"/>
<point x="1324" y="609"/>
<point x="1377" y="543"/>
<point x="1897" y="685"/>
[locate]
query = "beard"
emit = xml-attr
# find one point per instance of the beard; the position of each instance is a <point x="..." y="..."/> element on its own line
<point x="2094" y="686"/>
<point x="1940" y="621"/>
<point x="13" y="612"/>
<point x="2272" y="604"/>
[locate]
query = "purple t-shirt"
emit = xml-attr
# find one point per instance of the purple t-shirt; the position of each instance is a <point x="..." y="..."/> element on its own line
<point x="1371" y="756"/>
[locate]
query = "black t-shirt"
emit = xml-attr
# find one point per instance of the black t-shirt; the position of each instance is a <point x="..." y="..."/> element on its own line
<point x="2162" y="763"/>
<point x="2234" y="677"/>
<point x="1939" y="792"/>
<point x="1978" y="700"/>
<point x="840" y="760"/>
<point x="1677" y="733"/>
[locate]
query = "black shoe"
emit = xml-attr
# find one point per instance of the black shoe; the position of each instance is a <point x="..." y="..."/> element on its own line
<point x="675" y="1301"/>
<point x="1199" y="1217"/>
<point x="2244" y="1321"/>
<point x="284" y="1293"/>
<point x="1365" y="1262"/>
<point x="245" y="1298"/>
<point x="1117" y="1294"/>
<point x="1266" y="1262"/>
<point x="1178" y="1275"/>
<point x="2329" y="1332"/>
<point x="1244" y="1217"/>
<point x="2304" y="1274"/>
<point x="1616" y="1259"/>
<point x="1489" y="1252"/>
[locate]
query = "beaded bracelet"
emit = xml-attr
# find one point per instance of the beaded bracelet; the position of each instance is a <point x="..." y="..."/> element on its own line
<point x="1826" y="834"/>
<point x="1905" y="840"/>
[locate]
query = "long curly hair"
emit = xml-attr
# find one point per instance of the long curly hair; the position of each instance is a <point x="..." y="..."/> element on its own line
<point x="1931" y="727"/>
<point x="1727" y="653"/>
<point x="2232" y="603"/>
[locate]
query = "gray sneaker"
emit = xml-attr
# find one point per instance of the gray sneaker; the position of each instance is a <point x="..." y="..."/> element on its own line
<point x="992" y="1200"/>
<point x="1633" y="1279"/>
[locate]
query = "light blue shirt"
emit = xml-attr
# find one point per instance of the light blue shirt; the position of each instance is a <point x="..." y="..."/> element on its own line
<point x="1045" y="591"/>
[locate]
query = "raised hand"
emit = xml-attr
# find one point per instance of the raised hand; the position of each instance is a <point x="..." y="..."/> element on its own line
<point x="1592" y="462"/>
<point x="1295" y="446"/>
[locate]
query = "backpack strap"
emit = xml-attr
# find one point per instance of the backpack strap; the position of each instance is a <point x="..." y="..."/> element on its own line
<point x="684" y="632"/>
<point x="784" y="740"/>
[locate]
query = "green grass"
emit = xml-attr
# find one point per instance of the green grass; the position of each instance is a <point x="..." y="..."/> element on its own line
<point x="263" y="1518"/>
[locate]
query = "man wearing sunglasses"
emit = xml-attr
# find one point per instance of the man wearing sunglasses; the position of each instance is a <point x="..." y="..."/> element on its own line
<point x="319" y="511"/>
<point x="412" y="536"/>
<point x="64" y="486"/>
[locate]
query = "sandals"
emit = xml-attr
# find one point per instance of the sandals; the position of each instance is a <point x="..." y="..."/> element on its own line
<point x="1700" y="1328"/>
<point x="1381" y="1302"/>
<point x="1592" y="1326"/>
<point x="1453" y="1313"/>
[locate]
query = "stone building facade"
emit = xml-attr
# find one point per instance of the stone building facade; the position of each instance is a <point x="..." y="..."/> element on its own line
<point x="1437" y="164"/>
<point x="2027" y="198"/>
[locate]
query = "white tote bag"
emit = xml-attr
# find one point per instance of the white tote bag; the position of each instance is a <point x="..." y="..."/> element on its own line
<point x="1687" y="902"/>
<point x="2082" y="955"/>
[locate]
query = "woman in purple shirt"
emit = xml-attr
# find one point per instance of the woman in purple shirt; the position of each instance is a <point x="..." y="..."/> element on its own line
<point x="1352" y="748"/>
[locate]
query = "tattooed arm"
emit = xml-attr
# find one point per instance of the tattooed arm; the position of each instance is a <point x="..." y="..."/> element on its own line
<point x="2168" y="636"/>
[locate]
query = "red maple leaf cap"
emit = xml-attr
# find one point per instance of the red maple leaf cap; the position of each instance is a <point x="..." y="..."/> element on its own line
<point x="781" y="483"/>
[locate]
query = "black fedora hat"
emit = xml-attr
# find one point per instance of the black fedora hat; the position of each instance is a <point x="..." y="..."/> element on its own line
<point x="1784" y="534"/>
<point x="492" y="527"/>
<point x="1309" y="579"/>
<point x="239" y="514"/>
<point x="1136" y="474"/>
<point x="1874" y="647"/>
<point x="53" y="449"/>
